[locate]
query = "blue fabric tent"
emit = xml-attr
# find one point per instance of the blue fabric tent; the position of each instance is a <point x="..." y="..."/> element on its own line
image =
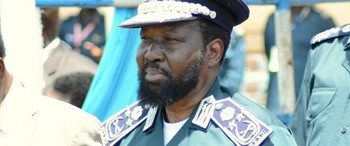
<point x="115" y="82"/>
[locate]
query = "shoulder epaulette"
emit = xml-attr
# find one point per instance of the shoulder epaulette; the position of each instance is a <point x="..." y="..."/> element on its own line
<point x="331" y="33"/>
<point x="123" y="122"/>
<point x="242" y="127"/>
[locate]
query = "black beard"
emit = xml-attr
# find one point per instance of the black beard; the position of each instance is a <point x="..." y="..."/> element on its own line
<point x="171" y="90"/>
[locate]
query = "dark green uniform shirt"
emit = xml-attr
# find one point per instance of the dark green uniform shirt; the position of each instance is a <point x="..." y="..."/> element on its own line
<point x="192" y="135"/>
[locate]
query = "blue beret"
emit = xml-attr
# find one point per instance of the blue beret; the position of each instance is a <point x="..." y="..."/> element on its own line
<point x="225" y="13"/>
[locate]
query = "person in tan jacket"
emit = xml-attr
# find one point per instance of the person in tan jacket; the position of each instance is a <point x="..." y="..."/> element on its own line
<point x="58" y="57"/>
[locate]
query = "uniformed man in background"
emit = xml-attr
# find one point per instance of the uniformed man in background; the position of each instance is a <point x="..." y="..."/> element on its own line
<point x="321" y="116"/>
<point x="181" y="101"/>
<point x="306" y="22"/>
<point x="85" y="33"/>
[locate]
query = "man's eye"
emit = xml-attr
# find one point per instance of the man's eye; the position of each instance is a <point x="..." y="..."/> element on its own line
<point x="172" y="40"/>
<point x="145" y="38"/>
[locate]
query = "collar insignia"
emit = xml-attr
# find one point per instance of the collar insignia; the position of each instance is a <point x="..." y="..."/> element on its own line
<point x="204" y="112"/>
<point x="150" y="117"/>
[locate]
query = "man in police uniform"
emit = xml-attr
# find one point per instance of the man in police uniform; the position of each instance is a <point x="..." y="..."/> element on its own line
<point x="181" y="101"/>
<point x="321" y="116"/>
<point x="306" y="22"/>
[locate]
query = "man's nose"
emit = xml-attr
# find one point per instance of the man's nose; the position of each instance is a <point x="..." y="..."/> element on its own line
<point x="154" y="53"/>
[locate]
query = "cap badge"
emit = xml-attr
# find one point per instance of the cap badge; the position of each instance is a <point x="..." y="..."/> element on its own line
<point x="156" y="6"/>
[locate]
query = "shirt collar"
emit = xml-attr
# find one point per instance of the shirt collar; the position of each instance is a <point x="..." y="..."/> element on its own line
<point x="216" y="90"/>
<point x="47" y="51"/>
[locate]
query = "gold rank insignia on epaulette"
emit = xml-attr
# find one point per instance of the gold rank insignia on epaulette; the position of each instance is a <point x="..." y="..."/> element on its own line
<point x="243" y="128"/>
<point x="330" y="33"/>
<point x="123" y="122"/>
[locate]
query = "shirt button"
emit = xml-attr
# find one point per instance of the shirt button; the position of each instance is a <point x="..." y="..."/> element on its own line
<point x="219" y="106"/>
<point x="309" y="115"/>
<point x="343" y="130"/>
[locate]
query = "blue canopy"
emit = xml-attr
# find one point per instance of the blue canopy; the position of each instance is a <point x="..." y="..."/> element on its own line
<point x="115" y="82"/>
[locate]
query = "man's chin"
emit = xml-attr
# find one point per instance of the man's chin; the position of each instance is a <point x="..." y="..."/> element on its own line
<point x="156" y="95"/>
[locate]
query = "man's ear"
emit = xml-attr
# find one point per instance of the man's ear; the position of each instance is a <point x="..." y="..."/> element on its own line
<point x="216" y="52"/>
<point x="2" y="69"/>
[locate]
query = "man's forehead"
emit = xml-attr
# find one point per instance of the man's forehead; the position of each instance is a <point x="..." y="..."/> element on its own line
<point x="173" y="26"/>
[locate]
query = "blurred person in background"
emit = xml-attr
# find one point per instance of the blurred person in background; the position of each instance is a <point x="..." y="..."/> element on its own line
<point x="58" y="57"/>
<point x="232" y="70"/>
<point x="85" y="33"/>
<point x="72" y="88"/>
<point x="30" y="119"/>
<point x="306" y="21"/>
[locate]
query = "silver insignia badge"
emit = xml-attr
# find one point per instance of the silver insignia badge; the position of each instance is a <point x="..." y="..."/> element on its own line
<point x="345" y="29"/>
<point x="150" y="117"/>
<point x="204" y="112"/>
